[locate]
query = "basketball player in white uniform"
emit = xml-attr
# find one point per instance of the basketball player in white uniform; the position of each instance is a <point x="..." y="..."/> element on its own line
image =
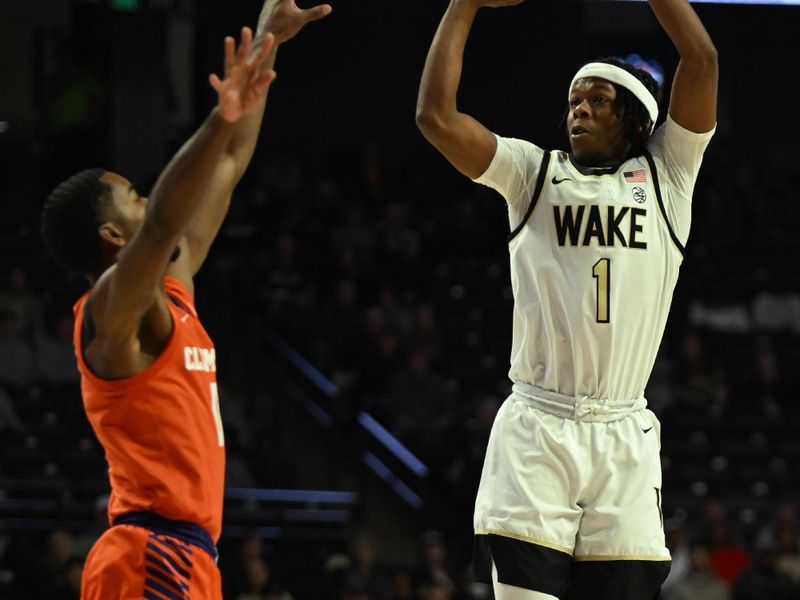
<point x="569" y="504"/>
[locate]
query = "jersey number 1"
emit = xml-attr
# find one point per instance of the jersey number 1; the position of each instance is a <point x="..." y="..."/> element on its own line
<point x="216" y="413"/>
<point x="602" y="272"/>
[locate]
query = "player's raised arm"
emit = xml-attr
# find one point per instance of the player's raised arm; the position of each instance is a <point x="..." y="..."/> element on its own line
<point x="693" y="103"/>
<point x="467" y="144"/>
<point x="130" y="288"/>
<point x="283" y="19"/>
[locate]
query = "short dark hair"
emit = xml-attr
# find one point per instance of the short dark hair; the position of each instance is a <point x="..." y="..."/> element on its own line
<point x="627" y="106"/>
<point x="70" y="218"/>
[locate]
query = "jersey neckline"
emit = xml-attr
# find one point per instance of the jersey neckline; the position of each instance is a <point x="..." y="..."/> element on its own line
<point x="594" y="171"/>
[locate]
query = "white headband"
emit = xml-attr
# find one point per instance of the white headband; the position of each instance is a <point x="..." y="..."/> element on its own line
<point x="620" y="76"/>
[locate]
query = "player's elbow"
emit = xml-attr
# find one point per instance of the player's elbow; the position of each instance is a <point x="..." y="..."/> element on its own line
<point x="432" y="124"/>
<point x="427" y="120"/>
<point x="710" y="57"/>
<point x="705" y="57"/>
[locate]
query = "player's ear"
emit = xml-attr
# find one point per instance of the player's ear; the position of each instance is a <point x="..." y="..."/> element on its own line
<point x="112" y="233"/>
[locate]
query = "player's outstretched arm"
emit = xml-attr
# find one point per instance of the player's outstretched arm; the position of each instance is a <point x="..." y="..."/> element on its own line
<point x="283" y="19"/>
<point x="467" y="144"/>
<point x="131" y="288"/>
<point x="693" y="103"/>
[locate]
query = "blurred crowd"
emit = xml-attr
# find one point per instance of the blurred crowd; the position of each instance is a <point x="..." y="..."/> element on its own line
<point x="389" y="274"/>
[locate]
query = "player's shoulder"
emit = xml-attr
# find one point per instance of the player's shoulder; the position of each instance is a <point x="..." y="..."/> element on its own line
<point x="671" y="136"/>
<point x="519" y="147"/>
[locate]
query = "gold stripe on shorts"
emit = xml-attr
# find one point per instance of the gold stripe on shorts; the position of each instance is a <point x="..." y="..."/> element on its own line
<point x="523" y="538"/>
<point x="600" y="557"/>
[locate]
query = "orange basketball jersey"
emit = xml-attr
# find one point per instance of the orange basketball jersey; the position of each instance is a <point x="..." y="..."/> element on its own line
<point x="161" y="428"/>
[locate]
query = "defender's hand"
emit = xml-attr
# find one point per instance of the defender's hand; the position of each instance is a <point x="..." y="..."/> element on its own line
<point x="284" y="19"/>
<point x="245" y="82"/>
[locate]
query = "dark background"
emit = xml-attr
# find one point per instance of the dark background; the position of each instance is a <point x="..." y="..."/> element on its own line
<point x="85" y="83"/>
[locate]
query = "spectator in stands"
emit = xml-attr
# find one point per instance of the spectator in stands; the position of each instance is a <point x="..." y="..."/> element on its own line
<point x="763" y="580"/>
<point x="86" y="538"/>
<point x="433" y="579"/>
<point x="435" y="590"/>
<point x="355" y="232"/>
<point x="72" y="581"/>
<point x="354" y="592"/>
<point x="55" y="355"/>
<point x="788" y="556"/>
<point x="681" y="552"/>
<point x="425" y="336"/>
<point x="335" y="570"/>
<point x="768" y="392"/>
<point x="380" y="355"/>
<point x="700" y="386"/>
<point x="236" y="571"/>
<point x="701" y="583"/>
<point x="275" y="592"/>
<point x="402" y="586"/>
<point x="9" y="578"/>
<point x="256" y="581"/>
<point x="419" y="405"/>
<point x="784" y="534"/>
<point x="50" y="577"/>
<point x="726" y="556"/>
<point x="364" y="574"/>
<point x="16" y="352"/>
<point x="9" y="419"/>
<point x="344" y="330"/>
<point x="18" y="299"/>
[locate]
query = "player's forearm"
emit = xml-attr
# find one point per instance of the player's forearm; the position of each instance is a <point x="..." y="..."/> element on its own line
<point x="177" y="193"/>
<point x="245" y="133"/>
<point x="684" y="28"/>
<point x="436" y="103"/>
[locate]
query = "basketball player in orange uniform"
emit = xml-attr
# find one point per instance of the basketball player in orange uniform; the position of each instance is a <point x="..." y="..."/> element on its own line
<point x="148" y="370"/>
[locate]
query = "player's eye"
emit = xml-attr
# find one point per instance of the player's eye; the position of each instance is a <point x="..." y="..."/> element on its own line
<point x="574" y="103"/>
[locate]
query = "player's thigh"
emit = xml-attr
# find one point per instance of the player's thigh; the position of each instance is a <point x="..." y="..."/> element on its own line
<point x="622" y="518"/>
<point x="130" y="562"/>
<point x="514" y="565"/>
<point x="504" y="591"/>
<point x="620" y="551"/>
<point x="529" y="478"/>
<point x="115" y="565"/>
<point x="618" y="580"/>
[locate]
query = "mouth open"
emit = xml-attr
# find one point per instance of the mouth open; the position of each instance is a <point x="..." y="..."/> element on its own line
<point x="578" y="131"/>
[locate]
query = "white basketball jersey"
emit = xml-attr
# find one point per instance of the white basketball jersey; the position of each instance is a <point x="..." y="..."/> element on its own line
<point x="595" y="255"/>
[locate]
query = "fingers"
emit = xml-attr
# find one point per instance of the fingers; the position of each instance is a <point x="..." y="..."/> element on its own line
<point x="264" y="50"/>
<point x="263" y="81"/>
<point x="245" y="46"/>
<point x="215" y="82"/>
<point x="317" y="13"/>
<point x="230" y="49"/>
<point x="267" y="44"/>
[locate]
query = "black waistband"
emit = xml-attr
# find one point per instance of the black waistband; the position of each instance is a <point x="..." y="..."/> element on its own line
<point x="189" y="533"/>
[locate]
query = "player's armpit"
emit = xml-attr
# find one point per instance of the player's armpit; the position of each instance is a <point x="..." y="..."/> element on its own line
<point x="464" y="142"/>
<point x="126" y="338"/>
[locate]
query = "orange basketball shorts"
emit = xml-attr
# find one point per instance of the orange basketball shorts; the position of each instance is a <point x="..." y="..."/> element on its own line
<point x="130" y="562"/>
